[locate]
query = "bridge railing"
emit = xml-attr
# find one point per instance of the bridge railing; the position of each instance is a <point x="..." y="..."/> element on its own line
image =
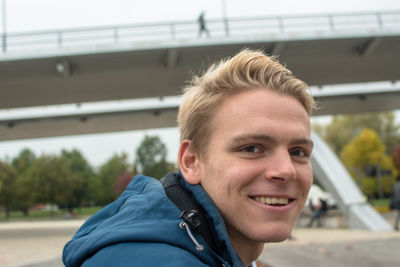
<point x="187" y="31"/>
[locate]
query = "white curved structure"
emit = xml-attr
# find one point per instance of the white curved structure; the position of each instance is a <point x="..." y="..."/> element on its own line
<point x="333" y="176"/>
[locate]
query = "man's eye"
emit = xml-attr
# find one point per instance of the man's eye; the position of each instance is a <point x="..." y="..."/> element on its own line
<point x="251" y="149"/>
<point x="299" y="153"/>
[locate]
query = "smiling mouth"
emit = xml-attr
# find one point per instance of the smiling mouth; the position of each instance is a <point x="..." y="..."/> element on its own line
<point x="274" y="201"/>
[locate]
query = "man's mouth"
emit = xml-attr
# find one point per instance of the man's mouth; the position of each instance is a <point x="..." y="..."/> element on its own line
<point x="276" y="201"/>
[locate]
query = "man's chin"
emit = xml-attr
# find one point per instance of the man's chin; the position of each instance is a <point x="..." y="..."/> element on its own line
<point x="275" y="236"/>
<point x="278" y="239"/>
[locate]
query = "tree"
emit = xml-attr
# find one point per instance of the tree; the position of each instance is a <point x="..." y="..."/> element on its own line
<point x="151" y="157"/>
<point x="367" y="152"/>
<point x="364" y="150"/>
<point x="50" y="177"/>
<point x="80" y="173"/>
<point x="105" y="183"/>
<point x="345" y="127"/>
<point x="338" y="133"/>
<point x="369" y="187"/>
<point x="24" y="161"/>
<point x="25" y="194"/>
<point x="8" y="189"/>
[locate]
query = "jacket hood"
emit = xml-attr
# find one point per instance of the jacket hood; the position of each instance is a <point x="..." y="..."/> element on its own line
<point x="143" y="213"/>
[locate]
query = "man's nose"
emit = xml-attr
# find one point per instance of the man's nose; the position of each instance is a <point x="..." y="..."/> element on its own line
<point x="280" y="167"/>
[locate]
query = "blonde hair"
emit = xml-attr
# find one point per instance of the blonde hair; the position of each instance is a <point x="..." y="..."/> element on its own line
<point x="249" y="69"/>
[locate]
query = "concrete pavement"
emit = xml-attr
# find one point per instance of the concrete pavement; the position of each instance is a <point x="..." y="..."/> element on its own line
<point x="27" y="243"/>
<point x="335" y="248"/>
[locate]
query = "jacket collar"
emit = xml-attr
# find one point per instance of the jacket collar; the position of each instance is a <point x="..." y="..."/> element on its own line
<point x="214" y="217"/>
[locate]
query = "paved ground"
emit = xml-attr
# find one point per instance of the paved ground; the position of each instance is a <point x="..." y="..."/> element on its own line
<point x="335" y="248"/>
<point x="34" y="244"/>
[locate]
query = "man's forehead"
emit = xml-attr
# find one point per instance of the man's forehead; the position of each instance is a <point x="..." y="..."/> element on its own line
<point x="267" y="95"/>
<point x="261" y="114"/>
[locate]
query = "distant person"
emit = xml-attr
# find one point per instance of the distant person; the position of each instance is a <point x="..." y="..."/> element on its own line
<point x="202" y="25"/>
<point x="319" y="211"/>
<point x="395" y="202"/>
<point x="244" y="176"/>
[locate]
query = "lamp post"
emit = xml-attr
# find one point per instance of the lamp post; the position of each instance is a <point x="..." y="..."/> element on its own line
<point x="225" y="17"/>
<point x="4" y="22"/>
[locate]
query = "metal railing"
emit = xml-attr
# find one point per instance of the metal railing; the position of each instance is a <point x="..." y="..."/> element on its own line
<point x="184" y="31"/>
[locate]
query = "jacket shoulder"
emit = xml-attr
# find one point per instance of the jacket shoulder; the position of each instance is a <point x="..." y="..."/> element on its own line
<point x="143" y="254"/>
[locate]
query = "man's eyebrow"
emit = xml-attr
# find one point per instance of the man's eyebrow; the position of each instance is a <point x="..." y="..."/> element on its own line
<point x="302" y="141"/>
<point x="247" y="137"/>
<point x="270" y="139"/>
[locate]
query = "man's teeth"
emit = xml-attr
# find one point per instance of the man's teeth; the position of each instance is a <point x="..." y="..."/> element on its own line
<point x="272" y="200"/>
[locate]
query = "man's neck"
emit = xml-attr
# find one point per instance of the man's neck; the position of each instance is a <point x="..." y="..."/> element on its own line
<point x="247" y="250"/>
<point x="248" y="254"/>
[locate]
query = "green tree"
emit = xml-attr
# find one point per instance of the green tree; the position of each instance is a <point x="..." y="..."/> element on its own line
<point x="105" y="183"/>
<point x="80" y="174"/>
<point x="345" y="127"/>
<point x="50" y="177"/>
<point x="25" y="195"/>
<point x="151" y="157"/>
<point x="24" y="161"/>
<point x="369" y="187"/>
<point x="8" y="189"/>
<point x="338" y="133"/>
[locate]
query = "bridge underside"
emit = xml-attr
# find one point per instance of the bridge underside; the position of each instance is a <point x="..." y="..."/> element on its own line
<point x="132" y="118"/>
<point x="155" y="72"/>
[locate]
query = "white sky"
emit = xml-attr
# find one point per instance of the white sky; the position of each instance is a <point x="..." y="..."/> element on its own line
<point x="31" y="15"/>
<point x="26" y="15"/>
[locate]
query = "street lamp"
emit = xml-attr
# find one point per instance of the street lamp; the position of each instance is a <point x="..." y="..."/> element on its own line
<point x="225" y="17"/>
<point x="3" y="8"/>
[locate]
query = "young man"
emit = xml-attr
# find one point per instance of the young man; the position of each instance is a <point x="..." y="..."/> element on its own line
<point x="244" y="161"/>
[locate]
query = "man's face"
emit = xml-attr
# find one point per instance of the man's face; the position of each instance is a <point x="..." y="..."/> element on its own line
<point x="256" y="167"/>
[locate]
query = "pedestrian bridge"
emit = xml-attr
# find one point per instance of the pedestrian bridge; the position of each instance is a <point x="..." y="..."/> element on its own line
<point x="131" y="62"/>
<point x="152" y="60"/>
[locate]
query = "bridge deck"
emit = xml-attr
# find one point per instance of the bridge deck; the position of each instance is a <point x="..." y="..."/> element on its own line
<point x="122" y="61"/>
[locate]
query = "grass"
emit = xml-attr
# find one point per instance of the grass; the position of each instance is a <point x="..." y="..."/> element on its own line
<point x="381" y="205"/>
<point x="87" y="211"/>
<point x="380" y="202"/>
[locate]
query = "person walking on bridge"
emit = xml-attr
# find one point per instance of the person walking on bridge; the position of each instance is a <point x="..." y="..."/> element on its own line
<point x="202" y="25"/>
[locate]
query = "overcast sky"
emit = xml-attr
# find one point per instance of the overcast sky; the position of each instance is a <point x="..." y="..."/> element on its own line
<point x="31" y="15"/>
<point x="26" y="15"/>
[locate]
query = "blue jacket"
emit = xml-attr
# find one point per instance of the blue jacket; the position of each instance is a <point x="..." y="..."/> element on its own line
<point x="142" y="228"/>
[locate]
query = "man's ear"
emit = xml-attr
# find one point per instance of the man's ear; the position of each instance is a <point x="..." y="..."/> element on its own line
<point x="189" y="162"/>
